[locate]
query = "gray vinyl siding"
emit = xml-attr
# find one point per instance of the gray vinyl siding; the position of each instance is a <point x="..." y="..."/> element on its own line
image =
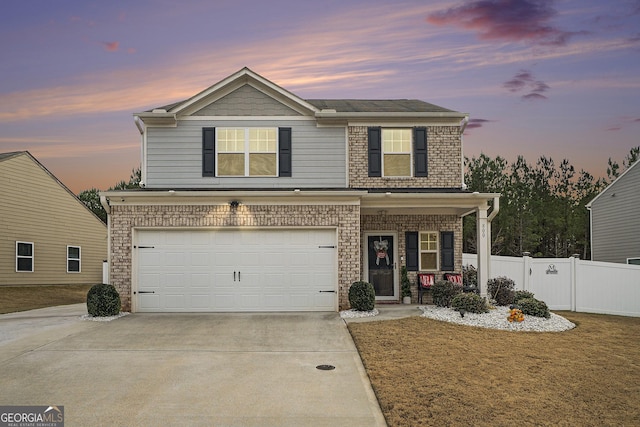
<point x="174" y="156"/>
<point x="615" y="217"/>
<point x="246" y="101"/>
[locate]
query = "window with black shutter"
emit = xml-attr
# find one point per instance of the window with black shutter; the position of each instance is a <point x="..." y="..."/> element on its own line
<point x="447" y="251"/>
<point x="411" y="248"/>
<point x="375" y="151"/>
<point x="284" y="151"/>
<point x="208" y="151"/>
<point x="420" y="167"/>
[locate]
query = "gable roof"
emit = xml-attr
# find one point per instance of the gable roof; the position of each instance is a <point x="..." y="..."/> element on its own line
<point x="329" y="109"/>
<point x="7" y="156"/>
<point x="4" y="156"/>
<point x="588" y="205"/>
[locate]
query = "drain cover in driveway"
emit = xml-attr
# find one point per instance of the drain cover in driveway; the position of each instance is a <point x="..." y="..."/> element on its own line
<point x="326" y="367"/>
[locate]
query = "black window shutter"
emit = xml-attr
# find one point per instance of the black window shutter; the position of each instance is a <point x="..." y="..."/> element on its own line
<point x="284" y="151"/>
<point x="411" y="248"/>
<point x="375" y="151"/>
<point x="420" y="152"/>
<point x="208" y="151"/>
<point x="447" y="252"/>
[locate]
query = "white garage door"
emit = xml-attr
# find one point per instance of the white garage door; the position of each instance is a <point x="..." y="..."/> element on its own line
<point x="235" y="270"/>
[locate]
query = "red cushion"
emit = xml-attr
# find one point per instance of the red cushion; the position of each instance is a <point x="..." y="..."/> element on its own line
<point x="426" y="280"/>
<point x="455" y="278"/>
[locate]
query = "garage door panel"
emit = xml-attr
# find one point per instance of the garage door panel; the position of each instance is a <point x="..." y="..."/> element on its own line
<point x="274" y="270"/>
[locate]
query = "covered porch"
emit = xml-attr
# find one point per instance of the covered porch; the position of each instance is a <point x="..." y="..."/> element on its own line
<point x="423" y="232"/>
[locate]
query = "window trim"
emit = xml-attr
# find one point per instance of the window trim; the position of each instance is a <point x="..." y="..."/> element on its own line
<point x="247" y="152"/>
<point x="79" y="259"/>
<point x="31" y="257"/>
<point x="436" y="251"/>
<point x="383" y="153"/>
<point x="633" y="259"/>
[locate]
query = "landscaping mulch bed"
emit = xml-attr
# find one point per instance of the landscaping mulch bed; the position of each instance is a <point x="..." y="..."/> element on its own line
<point x="431" y="373"/>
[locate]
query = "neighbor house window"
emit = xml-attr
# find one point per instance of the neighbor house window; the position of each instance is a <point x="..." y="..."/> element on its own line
<point x="24" y="256"/>
<point x="396" y="152"/>
<point x="633" y="261"/>
<point x="247" y="152"/>
<point x="428" y="250"/>
<point x="73" y="259"/>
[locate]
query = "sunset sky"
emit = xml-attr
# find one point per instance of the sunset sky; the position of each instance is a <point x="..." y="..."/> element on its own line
<point x="538" y="77"/>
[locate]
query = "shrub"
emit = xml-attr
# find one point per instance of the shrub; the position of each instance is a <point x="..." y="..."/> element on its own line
<point x="522" y="295"/>
<point x="469" y="302"/>
<point x="501" y="290"/>
<point x="443" y="292"/>
<point x="534" y="307"/>
<point x="405" y="283"/>
<point x="362" y="296"/>
<point x="469" y="276"/>
<point x="103" y="300"/>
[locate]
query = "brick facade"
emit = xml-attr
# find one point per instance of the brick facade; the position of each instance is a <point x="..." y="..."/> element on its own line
<point x="444" y="152"/>
<point x="124" y="218"/>
<point x="403" y="223"/>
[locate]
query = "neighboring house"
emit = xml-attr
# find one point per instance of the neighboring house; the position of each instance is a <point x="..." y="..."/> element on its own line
<point x="615" y="230"/>
<point x="47" y="235"/>
<point x="253" y="199"/>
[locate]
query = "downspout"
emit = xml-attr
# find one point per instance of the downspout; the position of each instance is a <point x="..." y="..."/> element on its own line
<point x="495" y="210"/>
<point x="463" y="126"/>
<point x="104" y="201"/>
<point x="490" y="217"/>
<point x="143" y="168"/>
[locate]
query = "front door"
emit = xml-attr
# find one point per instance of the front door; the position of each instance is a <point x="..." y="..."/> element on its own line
<point x="380" y="264"/>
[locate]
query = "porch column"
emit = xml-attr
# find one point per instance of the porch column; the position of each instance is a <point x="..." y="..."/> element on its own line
<point x="483" y="249"/>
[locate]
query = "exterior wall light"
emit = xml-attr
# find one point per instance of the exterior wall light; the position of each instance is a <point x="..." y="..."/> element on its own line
<point x="234" y="204"/>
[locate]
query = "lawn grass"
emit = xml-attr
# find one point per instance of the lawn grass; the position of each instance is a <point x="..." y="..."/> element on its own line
<point x="431" y="373"/>
<point x="22" y="298"/>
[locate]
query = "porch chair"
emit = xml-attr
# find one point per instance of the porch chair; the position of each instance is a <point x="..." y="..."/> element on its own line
<point x="457" y="278"/>
<point x="425" y="282"/>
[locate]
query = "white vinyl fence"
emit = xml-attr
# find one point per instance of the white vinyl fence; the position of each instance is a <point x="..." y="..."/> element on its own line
<point x="571" y="283"/>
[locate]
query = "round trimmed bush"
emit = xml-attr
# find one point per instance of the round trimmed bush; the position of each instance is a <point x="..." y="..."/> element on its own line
<point x="103" y="300"/>
<point x="501" y="290"/>
<point x="362" y="296"/>
<point x="534" y="307"/>
<point x="469" y="302"/>
<point x="443" y="292"/>
<point x="522" y="295"/>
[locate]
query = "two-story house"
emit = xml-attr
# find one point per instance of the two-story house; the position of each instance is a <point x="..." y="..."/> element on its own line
<point x="253" y="199"/>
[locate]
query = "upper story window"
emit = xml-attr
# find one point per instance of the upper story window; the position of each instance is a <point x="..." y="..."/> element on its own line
<point x="24" y="256"/>
<point x="73" y="259"/>
<point x="247" y="152"/>
<point x="259" y="152"/>
<point x="397" y="152"/>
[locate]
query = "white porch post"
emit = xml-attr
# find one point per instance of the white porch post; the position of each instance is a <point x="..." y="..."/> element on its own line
<point x="483" y="249"/>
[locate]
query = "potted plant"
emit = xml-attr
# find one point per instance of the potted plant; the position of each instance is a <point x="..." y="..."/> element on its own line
<point x="405" y="285"/>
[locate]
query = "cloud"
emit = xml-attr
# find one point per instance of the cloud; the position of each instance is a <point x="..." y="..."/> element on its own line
<point x="508" y="20"/>
<point x="111" y="46"/>
<point x="477" y="123"/>
<point x="524" y="80"/>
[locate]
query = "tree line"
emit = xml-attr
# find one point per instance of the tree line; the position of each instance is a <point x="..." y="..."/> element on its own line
<point x="542" y="205"/>
<point x="91" y="197"/>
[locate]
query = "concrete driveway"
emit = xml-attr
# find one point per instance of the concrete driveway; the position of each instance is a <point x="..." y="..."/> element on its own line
<point x="186" y="369"/>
